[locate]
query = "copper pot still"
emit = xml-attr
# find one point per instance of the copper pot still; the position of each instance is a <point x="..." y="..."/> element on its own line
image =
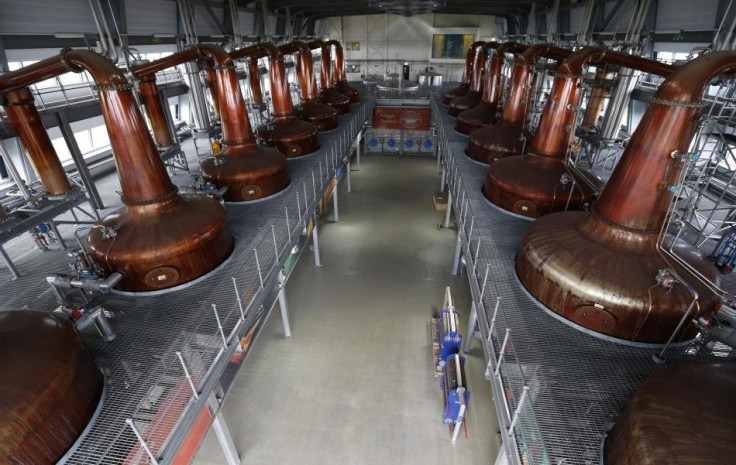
<point x="540" y="182"/>
<point x="484" y="114"/>
<point x="339" y="77"/>
<point x="475" y="93"/>
<point x="603" y="270"/>
<point x="248" y="171"/>
<point x="51" y="387"/>
<point x="683" y="415"/>
<point x="508" y="137"/>
<point x="155" y="240"/>
<point x="328" y="95"/>
<point x="310" y="109"/>
<point x="464" y="86"/>
<point x="291" y="136"/>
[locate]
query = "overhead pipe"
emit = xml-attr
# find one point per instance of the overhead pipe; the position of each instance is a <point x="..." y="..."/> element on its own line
<point x="327" y="94"/>
<point x="475" y="92"/>
<point x="484" y="114"/>
<point x="153" y="104"/>
<point x="464" y="86"/>
<point x="107" y="43"/>
<point x="159" y="238"/>
<point x="539" y="182"/>
<point x="200" y="113"/>
<point x="324" y="117"/>
<point x="508" y="136"/>
<point x="598" y="269"/>
<point x="24" y="118"/>
<point x="248" y="171"/>
<point x="338" y="75"/>
<point x="293" y="137"/>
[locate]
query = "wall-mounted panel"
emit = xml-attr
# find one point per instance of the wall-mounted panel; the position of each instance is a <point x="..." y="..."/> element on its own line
<point x="146" y="17"/>
<point x="686" y="14"/>
<point x="41" y="17"/>
<point x="203" y="22"/>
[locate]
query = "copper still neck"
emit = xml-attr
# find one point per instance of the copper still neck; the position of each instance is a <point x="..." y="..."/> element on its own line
<point x="153" y="104"/>
<point x="282" y="104"/>
<point x="304" y="68"/>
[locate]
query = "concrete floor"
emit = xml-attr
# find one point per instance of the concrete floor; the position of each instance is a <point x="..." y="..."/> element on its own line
<point x="355" y="384"/>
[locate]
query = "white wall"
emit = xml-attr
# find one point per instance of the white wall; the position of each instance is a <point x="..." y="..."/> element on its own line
<point x="387" y="41"/>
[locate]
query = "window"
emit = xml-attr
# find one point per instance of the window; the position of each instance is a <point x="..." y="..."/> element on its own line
<point x="451" y="45"/>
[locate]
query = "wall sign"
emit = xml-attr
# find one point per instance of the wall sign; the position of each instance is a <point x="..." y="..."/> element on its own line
<point x="409" y="118"/>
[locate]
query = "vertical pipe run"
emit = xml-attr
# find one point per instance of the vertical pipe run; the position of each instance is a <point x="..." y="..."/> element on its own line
<point x="26" y="121"/>
<point x="153" y="104"/>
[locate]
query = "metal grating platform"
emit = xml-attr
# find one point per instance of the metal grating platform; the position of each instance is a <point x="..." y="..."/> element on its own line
<point x="557" y="390"/>
<point x="203" y="322"/>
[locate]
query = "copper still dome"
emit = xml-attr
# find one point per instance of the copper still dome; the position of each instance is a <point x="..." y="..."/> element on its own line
<point x="50" y="387"/>
<point x="464" y="86"/>
<point x="310" y="109"/>
<point x="539" y="181"/>
<point x="508" y="137"/>
<point x="602" y="269"/>
<point x="135" y="239"/>
<point x="328" y="95"/>
<point x="291" y="136"/>
<point x="339" y="78"/>
<point x="683" y="415"/>
<point x="475" y="93"/>
<point x="484" y="114"/>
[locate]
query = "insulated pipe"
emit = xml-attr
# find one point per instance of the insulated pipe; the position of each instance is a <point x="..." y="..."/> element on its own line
<point x="475" y="93"/>
<point x="293" y="137"/>
<point x="153" y="104"/>
<point x="596" y="99"/>
<point x="328" y="95"/>
<point x="339" y="76"/>
<point x="248" y="171"/>
<point x="598" y="268"/>
<point x="159" y="239"/>
<point x="464" y="86"/>
<point x="484" y="114"/>
<point x="507" y="137"/>
<point x="311" y="109"/>
<point x="26" y="121"/>
<point x="538" y="182"/>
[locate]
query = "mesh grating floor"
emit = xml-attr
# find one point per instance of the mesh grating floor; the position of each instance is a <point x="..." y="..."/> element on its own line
<point x="573" y="384"/>
<point x="145" y="379"/>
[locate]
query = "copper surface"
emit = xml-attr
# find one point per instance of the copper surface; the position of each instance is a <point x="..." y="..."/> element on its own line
<point x="50" y="387"/>
<point x="683" y="415"/>
<point x="254" y="79"/>
<point x="464" y="86"/>
<point x="327" y="94"/>
<point x="291" y="136"/>
<point x="605" y="261"/>
<point x="310" y="109"/>
<point x="596" y="100"/>
<point x="341" y="80"/>
<point x="475" y="93"/>
<point x="484" y="114"/>
<point x="154" y="107"/>
<point x="23" y="116"/>
<point x="211" y="80"/>
<point x="241" y="163"/>
<point x="488" y="144"/>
